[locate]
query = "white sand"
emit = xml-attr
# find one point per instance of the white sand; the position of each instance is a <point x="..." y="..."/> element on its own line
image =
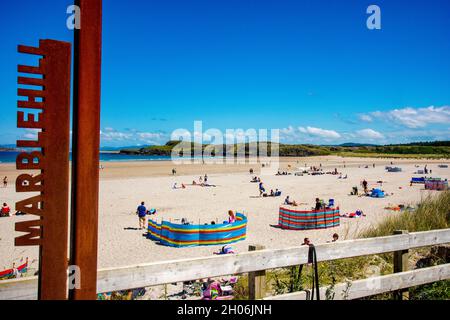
<point x="120" y="195"/>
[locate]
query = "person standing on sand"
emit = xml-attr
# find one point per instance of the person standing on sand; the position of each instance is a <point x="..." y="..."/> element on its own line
<point x="364" y="183"/>
<point x="5" y="182"/>
<point x="142" y="213"/>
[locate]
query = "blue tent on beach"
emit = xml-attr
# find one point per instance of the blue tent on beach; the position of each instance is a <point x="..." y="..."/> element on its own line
<point x="377" y="193"/>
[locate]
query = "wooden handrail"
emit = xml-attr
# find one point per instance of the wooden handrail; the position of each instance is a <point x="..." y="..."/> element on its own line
<point x="152" y="274"/>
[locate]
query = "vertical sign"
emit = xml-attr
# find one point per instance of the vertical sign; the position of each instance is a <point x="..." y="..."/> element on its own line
<point x="46" y="108"/>
<point x="86" y="145"/>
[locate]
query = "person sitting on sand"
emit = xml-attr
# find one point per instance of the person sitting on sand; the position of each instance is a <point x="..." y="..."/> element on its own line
<point x="306" y="242"/>
<point x="194" y="183"/>
<point x="200" y="180"/>
<point x="5" y="211"/>
<point x="277" y="193"/>
<point x="231" y="216"/>
<point x="318" y="204"/>
<point x="142" y="213"/>
<point x="288" y="202"/>
<point x="335" y="237"/>
<point x="183" y="186"/>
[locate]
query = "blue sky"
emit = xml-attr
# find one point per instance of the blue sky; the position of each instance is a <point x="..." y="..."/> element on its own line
<point x="309" y="68"/>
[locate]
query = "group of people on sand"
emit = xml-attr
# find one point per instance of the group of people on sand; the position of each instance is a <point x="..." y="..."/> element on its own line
<point x="5" y="211"/>
<point x="202" y="181"/>
<point x="320" y="205"/>
<point x="282" y="173"/>
<point x="307" y="241"/>
<point x="262" y="191"/>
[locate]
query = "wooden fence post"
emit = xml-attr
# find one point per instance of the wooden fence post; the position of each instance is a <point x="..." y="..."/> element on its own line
<point x="401" y="265"/>
<point x="256" y="280"/>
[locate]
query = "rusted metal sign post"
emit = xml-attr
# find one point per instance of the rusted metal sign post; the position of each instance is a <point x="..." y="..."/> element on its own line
<point x="85" y="147"/>
<point x="52" y="104"/>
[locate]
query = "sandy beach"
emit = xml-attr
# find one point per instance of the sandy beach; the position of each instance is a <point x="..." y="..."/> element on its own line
<point x="123" y="185"/>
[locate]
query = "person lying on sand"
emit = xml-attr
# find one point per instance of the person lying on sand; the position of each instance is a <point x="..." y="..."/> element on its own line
<point x="225" y="250"/>
<point x="356" y="214"/>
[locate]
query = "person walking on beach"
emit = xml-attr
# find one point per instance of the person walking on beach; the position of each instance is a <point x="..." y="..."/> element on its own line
<point x="142" y="213"/>
<point x="206" y="178"/>
<point x="261" y="189"/>
<point x="5" y="182"/>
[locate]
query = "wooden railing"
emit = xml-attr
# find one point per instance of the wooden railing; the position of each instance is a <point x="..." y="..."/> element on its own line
<point x="256" y="262"/>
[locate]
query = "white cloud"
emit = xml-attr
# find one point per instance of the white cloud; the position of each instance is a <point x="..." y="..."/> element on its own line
<point x="369" y="134"/>
<point x="365" y="117"/>
<point x="318" y="132"/>
<point x="111" y="135"/>
<point x="414" y="117"/>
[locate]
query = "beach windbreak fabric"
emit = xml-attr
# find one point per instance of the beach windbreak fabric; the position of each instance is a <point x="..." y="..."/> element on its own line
<point x="179" y="235"/>
<point x="306" y="220"/>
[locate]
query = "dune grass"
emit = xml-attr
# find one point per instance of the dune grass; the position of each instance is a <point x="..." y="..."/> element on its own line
<point x="431" y="214"/>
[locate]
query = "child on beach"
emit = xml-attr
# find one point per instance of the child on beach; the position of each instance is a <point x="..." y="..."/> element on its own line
<point x="231" y="216"/>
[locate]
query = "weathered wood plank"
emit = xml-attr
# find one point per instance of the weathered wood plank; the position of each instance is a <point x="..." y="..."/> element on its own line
<point x="377" y="285"/>
<point x="152" y="274"/>
<point x="429" y="238"/>
<point x="401" y="259"/>
<point x="256" y="280"/>
<point x="19" y="289"/>
<point x="191" y="269"/>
